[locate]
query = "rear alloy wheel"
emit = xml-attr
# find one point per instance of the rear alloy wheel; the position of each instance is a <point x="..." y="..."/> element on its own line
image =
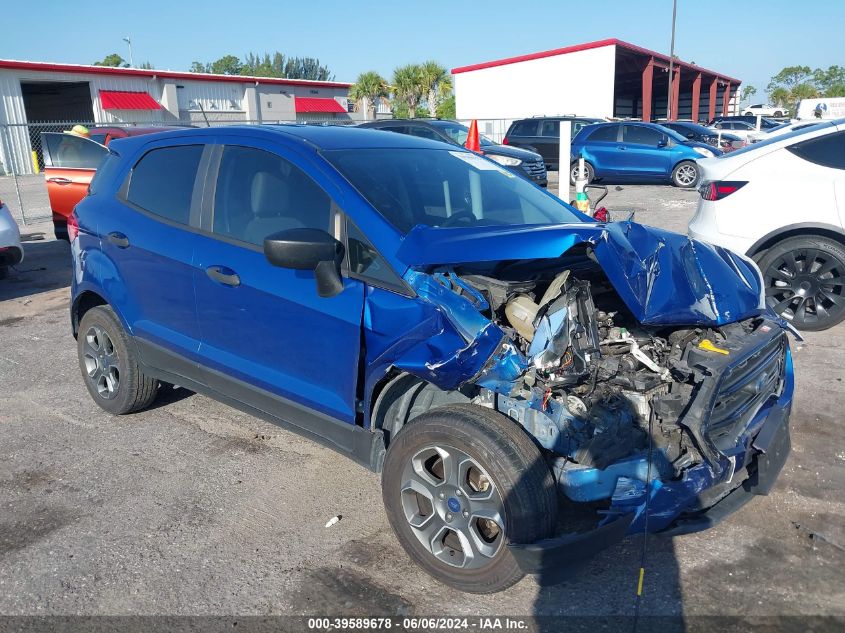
<point x="588" y="172"/>
<point x="109" y="365"/>
<point x="805" y="281"/>
<point x="685" y="174"/>
<point x="459" y="483"/>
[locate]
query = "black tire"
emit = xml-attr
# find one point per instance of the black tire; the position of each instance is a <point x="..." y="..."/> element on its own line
<point x="60" y="231"/>
<point x="588" y="169"/>
<point x="516" y="470"/>
<point x="681" y="174"/>
<point x="109" y="364"/>
<point x="804" y="278"/>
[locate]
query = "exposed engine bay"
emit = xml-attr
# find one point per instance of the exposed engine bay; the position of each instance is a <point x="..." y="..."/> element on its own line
<point x="596" y="383"/>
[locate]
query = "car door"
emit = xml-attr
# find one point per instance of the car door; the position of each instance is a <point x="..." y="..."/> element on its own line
<point x="147" y="237"/>
<point x="70" y="162"/>
<point x="602" y="149"/>
<point x="644" y="152"/>
<point x="547" y="141"/>
<point x="268" y="339"/>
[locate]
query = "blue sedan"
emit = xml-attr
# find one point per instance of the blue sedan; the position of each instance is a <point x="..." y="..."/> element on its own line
<point x="638" y="152"/>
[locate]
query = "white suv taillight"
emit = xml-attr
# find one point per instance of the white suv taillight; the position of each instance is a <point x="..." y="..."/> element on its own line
<point x="716" y="190"/>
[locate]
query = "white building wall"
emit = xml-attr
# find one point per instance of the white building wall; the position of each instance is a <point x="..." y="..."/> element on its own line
<point x="214" y="97"/>
<point x="14" y="141"/>
<point x="574" y="83"/>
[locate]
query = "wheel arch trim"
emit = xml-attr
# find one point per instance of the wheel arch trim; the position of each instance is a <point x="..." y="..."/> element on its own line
<point x="795" y="230"/>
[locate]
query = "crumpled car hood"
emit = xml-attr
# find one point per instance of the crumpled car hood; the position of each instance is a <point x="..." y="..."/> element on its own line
<point x="664" y="278"/>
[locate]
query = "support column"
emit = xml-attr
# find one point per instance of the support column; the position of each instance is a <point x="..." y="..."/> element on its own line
<point x="726" y="99"/>
<point x="696" y="97"/>
<point x="676" y="91"/>
<point x="714" y="86"/>
<point x="648" y="77"/>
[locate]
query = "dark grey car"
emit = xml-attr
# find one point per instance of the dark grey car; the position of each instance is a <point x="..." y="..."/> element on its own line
<point x="542" y="135"/>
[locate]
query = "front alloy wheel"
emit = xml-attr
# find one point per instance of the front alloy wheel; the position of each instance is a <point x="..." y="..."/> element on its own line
<point x="459" y="483"/>
<point x="453" y="507"/>
<point x="805" y="281"/>
<point x="685" y="174"/>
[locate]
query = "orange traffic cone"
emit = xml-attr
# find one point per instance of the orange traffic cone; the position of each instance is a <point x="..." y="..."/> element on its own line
<point x="472" y="138"/>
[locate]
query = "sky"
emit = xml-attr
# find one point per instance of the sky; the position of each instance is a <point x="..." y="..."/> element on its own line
<point x="750" y="42"/>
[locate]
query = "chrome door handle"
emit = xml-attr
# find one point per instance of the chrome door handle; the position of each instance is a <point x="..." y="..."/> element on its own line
<point x="60" y="181"/>
<point x="223" y="275"/>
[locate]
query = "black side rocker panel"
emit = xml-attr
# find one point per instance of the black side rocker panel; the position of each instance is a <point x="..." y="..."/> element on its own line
<point x="361" y="445"/>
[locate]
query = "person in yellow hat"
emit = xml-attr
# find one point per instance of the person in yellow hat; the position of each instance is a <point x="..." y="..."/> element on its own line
<point x="79" y="130"/>
<point x="69" y="152"/>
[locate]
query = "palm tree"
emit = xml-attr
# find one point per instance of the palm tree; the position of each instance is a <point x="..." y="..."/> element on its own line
<point x="780" y="97"/>
<point x="408" y="86"/>
<point x="367" y="90"/>
<point x="436" y="83"/>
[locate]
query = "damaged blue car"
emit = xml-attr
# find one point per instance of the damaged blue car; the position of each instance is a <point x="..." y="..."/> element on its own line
<point x="532" y="385"/>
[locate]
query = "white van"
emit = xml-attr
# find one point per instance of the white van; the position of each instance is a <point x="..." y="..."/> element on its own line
<point x="830" y="108"/>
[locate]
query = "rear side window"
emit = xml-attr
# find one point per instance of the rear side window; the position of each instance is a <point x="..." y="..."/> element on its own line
<point x="72" y="152"/>
<point x="424" y="132"/>
<point x="104" y="173"/>
<point x="605" y="133"/>
<point x="162" y="182"/>
<point x="259" y="193"/>
<point x="550" y="128"/>
<point x="525" y="128"/>
<point x="827" y="150"/>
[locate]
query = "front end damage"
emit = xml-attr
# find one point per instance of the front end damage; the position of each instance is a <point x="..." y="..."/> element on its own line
<point x="642" y="363"/>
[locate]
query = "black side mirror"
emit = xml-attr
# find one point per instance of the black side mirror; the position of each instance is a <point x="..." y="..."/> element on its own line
<point x="691" y="135"/>
<point x="662" y="142"/>
<point x="308" y="249"/>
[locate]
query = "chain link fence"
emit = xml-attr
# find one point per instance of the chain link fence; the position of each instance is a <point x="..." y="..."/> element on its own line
<point x="23" y="188"/>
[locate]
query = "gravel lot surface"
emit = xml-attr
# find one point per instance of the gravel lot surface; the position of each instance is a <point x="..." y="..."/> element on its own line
<point x="194" y="508"/>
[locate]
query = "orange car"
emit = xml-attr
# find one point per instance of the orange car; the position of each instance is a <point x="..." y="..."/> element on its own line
<point x="70" y="161"/>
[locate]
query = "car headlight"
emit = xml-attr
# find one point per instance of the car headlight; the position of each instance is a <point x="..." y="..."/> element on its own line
<point x="507" y="161"/>
<point x="704" y="152"/>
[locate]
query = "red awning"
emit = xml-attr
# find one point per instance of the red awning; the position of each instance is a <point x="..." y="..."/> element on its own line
<point x="121" y="100"/>
<point x="317" y="104"/>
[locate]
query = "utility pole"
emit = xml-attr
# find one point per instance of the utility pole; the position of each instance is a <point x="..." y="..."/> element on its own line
<point x="128" y="40"/>
<point x="671" y="63"/>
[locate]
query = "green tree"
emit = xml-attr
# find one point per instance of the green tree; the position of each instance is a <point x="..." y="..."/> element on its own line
<point x="226" y="65"/>
<point x="827" y="80"/>
<point x="790" y="77"/>
<point x="307" y="68"/>
<point x="408" y="89"/>
<point x="146" y="66"/>
<point x="748" y="92"/>
<point x="780" y="97"/>
<point x="804" y="90"/>
<point x="836" y="90"/>
<point x="113" y="60"/>
<point x="436" y="84"/>
<point x="446" y="108"/>
<point x="199" y="67"/>
<point x="368" y="88"/>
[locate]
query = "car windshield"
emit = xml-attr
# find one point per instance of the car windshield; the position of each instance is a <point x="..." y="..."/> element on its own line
<point x="774" y="139"/>
<point x="695" y="128"/>
<point x="459" y="133"/>
<point x="445" y="188"/>
<point x="674" y="135"/>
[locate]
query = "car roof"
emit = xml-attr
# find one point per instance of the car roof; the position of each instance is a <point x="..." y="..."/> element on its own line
<point x="314" y="137"/>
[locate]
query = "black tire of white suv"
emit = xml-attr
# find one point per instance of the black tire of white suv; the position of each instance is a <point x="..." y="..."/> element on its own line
<point x="804" y="279"/>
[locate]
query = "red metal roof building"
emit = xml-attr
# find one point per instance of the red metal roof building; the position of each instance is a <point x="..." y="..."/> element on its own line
<point x="35" y="92"/>
<point x="606" y="78"/>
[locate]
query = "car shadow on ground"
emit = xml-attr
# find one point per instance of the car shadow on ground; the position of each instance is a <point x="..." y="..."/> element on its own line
<point x="46" y="266"/>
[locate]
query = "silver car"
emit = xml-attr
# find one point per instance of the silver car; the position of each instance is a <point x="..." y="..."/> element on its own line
<point x="11" y="253"/>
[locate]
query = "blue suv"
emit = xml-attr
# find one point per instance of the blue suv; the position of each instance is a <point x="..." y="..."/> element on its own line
<point x="506" y="363"/>
<point x="638" y="152"/>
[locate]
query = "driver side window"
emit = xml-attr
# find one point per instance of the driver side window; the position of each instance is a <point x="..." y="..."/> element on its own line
<point x="260" y="193"/>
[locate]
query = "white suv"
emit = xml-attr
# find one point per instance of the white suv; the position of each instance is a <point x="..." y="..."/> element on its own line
<point x="782" y="202"/>
<point x="764" y="110"/>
